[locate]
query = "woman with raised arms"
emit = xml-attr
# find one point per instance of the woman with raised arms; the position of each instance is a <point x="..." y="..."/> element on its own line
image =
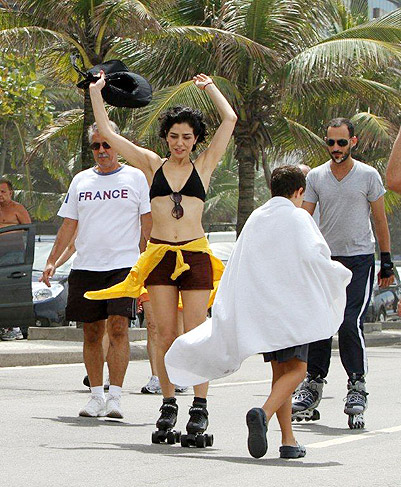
<point x="178" y="259"/>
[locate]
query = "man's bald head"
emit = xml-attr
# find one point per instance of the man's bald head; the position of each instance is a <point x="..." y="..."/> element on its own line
<point x="304" y="168"/>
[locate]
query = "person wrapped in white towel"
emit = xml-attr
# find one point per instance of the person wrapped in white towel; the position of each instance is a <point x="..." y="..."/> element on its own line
<point x="279" y="292"/>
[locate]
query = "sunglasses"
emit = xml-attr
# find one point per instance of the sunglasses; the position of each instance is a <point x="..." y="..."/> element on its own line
<point x="178" y="210"/>
<point x="96" y="145"/>
<point x="340" y="142"/>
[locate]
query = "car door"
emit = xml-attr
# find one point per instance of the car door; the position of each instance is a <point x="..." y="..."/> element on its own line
<point x="17" y="243"/>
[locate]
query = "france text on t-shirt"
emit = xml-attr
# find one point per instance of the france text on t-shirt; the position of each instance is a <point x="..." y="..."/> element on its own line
<point x="108" y="207"/>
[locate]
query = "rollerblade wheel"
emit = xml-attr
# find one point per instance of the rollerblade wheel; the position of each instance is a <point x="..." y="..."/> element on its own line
<point x="200" y="441"/>
<point x="177" y="436"/>
<point x="356" y="421"/>
<point x="315" y="415"/>
<point x="184" y="441"/>
<point x="209" y="440"/>
<point x="171" y="438"/>
<point x="155" y="437"/>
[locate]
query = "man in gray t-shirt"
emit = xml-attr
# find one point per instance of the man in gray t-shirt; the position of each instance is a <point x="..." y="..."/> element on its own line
<point x="347" y="192"/>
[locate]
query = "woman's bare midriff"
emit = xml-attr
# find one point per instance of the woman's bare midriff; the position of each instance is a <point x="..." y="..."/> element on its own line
<point x="166" y="227"/>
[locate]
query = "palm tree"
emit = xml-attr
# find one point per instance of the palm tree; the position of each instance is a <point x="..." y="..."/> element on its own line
<point x="293" y="66"/>
<point x="88" y="28"/>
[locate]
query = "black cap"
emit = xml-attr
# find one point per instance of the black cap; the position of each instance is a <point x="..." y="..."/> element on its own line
<point x="123" y="88"/>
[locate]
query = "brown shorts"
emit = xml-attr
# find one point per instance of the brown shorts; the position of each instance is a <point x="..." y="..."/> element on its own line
<point x="87" y="310"/>
<point x="199" y="276"/>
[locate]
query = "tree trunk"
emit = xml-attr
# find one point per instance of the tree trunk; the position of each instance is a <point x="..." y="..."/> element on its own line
<point x="4" y="149"/>
<point x="86" y="153"/>
<point x="245" y="155"/>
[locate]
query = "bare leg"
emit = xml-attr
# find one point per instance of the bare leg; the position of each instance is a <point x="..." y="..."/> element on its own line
<point x="180" y="322"/>
<point x="164" y="301"/>
<point x="152" y="335"/>
<point x="105" y="344"/>
<point x="118" y="354"/>
<point x="194" y="313"/>
<point x="93" y="352"/>
<point x="286" y="377"/>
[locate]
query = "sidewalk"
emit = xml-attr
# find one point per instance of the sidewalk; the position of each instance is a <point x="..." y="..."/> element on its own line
<point x="47" y="346"/>
<point x="59" y="345"/>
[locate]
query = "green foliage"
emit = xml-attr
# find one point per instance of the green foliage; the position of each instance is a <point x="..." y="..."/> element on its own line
<point x="21" y="94"/>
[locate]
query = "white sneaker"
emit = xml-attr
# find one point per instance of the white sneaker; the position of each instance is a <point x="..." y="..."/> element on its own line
<point x="18" y="334"/>
<point x="180" y="388"/>
<point x="152" y="387"/>
<point x="95" y="407"/>
<point x="113" y="407"/>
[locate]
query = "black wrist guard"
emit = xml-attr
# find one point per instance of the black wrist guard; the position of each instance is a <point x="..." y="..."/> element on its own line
<point x="386" y="268"/>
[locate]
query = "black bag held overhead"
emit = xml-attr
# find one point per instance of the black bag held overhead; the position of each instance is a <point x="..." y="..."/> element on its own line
<point x="123" y="88"/>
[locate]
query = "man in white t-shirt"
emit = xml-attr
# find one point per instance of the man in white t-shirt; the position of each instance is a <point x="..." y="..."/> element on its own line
<point x="107" y="205"/>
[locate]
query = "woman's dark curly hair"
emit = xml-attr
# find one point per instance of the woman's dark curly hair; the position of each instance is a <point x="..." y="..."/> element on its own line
<point x="179" y="114"/>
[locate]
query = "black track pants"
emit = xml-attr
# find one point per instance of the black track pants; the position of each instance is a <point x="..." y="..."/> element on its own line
<point x="350" y="335"/>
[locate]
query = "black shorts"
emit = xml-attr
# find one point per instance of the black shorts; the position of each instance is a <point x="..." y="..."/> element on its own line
<point x="87" y="310"/>
<point x="284" y="355"/>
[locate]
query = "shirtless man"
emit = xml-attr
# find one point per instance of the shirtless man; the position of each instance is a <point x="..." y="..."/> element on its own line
<point x="11" y="213"/>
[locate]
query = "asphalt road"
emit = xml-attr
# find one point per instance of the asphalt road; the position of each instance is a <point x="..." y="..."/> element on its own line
<point x="44" y="442"/>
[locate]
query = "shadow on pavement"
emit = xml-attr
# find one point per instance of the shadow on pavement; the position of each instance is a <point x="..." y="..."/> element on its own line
<point x="92" y="422"/>
<point x="177" y="451"/>
<point x="192" y="453"/>
<point x="321" y="429"/>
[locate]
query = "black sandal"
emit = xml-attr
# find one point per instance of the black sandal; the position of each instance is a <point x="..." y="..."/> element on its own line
<point x="287" y="451"/>
<point x="257" y="430"/>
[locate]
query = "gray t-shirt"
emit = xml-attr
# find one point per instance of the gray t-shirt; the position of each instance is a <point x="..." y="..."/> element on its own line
<point x="345" y="207"/>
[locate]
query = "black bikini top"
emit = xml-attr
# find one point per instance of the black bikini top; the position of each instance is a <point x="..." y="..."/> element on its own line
<point x="193" y="186"/>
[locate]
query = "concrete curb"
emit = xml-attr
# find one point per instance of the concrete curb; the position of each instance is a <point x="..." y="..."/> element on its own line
<point x="72" y="334"/>
<point x="46" y="352"/>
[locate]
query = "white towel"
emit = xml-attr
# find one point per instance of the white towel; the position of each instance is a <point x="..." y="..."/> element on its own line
<point x="280" y="289"/>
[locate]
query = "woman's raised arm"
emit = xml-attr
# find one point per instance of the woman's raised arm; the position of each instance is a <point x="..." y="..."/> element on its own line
<point x="144" y="159"/>
<point x="213" y="154"/>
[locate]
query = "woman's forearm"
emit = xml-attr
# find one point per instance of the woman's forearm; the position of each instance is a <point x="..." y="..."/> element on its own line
<point x="99" y="111"/>
<point x="223" y="107"/>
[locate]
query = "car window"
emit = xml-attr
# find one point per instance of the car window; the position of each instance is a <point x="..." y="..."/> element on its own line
<point x="42" y="251"/>
<point x="13" y="247"/>
<point x="222" y="250"/>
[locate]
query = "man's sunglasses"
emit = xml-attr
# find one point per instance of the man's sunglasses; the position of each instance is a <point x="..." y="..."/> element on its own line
<point x="340" y="142"/>
<point x="178" y="210"/>
<point x="96" y="145"/>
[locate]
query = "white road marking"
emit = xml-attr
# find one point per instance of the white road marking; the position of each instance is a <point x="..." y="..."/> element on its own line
<point x="49" y="366"/>
<point x="228" y="384"/>
<point x="349" y="439"/>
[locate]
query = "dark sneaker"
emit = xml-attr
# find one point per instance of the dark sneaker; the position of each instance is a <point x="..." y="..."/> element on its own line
<point x="287" y="451"/>
<point x="257" y="431"/>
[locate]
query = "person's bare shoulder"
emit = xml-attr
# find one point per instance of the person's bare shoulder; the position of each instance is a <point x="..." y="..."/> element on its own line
<point x="21" y="212"/>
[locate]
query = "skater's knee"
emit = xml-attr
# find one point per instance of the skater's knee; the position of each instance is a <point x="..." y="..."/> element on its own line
<point x="117" y="328"/>
<point x="296" y="367"/>
<point x="93" y="333"/>
<point x="165" y="339"/>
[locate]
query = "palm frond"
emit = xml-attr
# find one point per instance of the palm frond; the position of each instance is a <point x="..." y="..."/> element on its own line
<point x="342" y="56"/>
<point x="184" y="94"/>
<point x="203" y="35"/>
<point x="385" y="29"/>
<point x="290" y="135"/>
<point x="374" y="132"/>
<point x="68" y="124"/>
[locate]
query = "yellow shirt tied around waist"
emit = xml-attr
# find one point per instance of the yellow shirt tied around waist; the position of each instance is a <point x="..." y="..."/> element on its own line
<point x="132" y="287"/>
